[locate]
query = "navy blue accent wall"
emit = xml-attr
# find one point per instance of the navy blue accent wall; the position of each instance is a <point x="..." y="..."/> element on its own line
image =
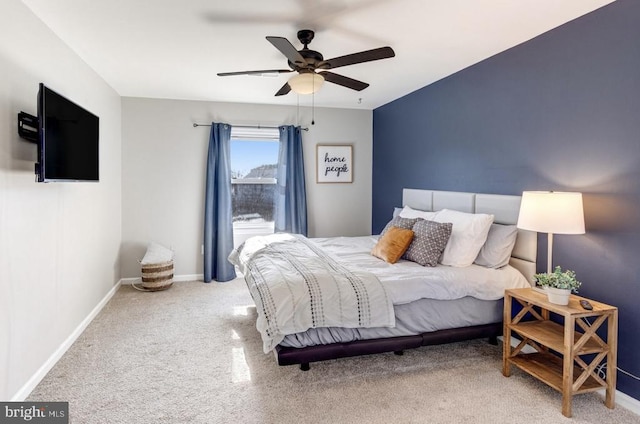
<point x="559" y="112"/>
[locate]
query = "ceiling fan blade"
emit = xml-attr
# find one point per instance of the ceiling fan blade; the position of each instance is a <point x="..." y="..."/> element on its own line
<point x="352" y="59"/>
<point x="344" y="81"/>
<point x="287" y="49"/>
<point x="265" y="71"/>
<point x="284" y="90"/>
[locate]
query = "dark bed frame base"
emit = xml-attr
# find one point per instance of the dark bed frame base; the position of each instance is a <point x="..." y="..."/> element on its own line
<point x="304" y="356"/>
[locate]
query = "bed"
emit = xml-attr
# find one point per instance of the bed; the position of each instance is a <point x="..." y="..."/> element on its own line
<point x="379" y="306"/>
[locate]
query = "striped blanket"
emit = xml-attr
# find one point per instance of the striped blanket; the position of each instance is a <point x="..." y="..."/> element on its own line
<point x="296" y="286"/>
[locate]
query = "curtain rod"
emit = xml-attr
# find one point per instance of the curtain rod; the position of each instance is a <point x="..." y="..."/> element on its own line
<point x="247" y="126"/>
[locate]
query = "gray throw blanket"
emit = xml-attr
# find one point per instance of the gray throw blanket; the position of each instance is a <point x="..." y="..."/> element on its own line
<point x="296" y="286"/>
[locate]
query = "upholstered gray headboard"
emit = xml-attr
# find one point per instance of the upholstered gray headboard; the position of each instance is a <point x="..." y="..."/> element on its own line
<point x="504" y="208"/>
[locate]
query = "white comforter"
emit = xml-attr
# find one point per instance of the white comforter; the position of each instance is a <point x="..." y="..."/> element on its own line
<point x="290" y="284"/>
<point x="407" y="281"/>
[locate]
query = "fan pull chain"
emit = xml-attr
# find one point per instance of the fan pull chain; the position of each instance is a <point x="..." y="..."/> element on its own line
<point x="313" y="101"/>
<point x="313" y="108"/>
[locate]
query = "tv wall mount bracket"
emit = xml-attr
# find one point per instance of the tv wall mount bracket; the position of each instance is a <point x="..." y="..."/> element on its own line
<point x="28" y="127"/>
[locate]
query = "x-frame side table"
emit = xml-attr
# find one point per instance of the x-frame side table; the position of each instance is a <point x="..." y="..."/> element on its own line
<point x="567" y="371"/>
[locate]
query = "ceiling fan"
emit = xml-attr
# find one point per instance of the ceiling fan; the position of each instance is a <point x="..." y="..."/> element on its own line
<point x="312" y="68"/>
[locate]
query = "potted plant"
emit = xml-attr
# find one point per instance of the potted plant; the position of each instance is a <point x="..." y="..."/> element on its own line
<point x="558" y="285"/>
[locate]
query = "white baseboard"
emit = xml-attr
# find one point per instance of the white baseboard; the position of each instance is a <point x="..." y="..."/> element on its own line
<point x="622" y="399"/>
<point x="31" y="384"/>
<point x="129" y="281"/>
<point x="189" y="277"/>
<point x="625" y="401"/>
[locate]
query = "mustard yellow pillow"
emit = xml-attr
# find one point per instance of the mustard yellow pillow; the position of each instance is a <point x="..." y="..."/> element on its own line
<point x="392" y="245"/>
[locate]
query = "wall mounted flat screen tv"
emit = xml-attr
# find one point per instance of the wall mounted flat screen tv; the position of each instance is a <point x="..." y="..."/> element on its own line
<point x="68" y="138"/>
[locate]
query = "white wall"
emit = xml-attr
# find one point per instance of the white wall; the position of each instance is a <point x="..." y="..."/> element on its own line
<point x="59" y="242"/>
<point x="163" y="172"/>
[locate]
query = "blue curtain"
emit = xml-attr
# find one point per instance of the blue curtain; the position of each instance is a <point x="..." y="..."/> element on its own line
<point x="291" y="198"/>
<point x="218" y="223"/>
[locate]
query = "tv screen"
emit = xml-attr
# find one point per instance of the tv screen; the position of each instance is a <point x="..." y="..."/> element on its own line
<point x="67" y="140"/>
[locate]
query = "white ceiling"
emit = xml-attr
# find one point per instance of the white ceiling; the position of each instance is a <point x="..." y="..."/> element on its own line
<point x="174" y="48"/>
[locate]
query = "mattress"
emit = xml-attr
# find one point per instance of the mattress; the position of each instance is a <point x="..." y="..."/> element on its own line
<point x="420" y="316"/>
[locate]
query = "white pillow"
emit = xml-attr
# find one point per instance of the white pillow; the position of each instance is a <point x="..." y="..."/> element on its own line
<point x="156" y="253"/>
<point x="497" y="249"/>
<point x="409" y="212"/>
<point x="467" y="236"/>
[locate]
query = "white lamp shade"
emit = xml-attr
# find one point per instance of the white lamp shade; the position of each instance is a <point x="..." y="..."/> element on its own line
<point x="553" y="212"/>
<point x="306" y="83"/>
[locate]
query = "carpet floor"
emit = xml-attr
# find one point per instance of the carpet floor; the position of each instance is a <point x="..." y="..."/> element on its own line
<point x="191" y="354"/>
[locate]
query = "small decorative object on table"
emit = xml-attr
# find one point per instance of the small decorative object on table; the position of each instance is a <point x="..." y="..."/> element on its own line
<point x="558" y="285"/>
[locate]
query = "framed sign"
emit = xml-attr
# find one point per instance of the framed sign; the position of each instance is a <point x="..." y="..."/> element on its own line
<point x="334" y="163"/>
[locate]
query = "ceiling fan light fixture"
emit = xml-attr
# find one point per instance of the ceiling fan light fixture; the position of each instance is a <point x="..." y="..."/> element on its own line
<point x="306" y="83"/>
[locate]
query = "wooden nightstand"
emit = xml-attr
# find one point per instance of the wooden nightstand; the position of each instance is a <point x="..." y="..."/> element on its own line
<point x="568" y="372"/>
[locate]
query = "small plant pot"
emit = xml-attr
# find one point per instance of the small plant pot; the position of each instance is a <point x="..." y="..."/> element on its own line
<point x="558" y="296"/>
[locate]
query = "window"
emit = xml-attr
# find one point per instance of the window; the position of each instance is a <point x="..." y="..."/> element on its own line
<point x="254" y="163"/>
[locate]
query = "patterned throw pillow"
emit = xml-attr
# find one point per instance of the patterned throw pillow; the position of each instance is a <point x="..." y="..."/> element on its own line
<point x="393" y="244"/>
<point x="399" y="222"/>
<point x="429" y="240"/>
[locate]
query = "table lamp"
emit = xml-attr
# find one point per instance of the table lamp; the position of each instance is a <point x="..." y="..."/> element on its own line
<point x="551" y="212"/>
